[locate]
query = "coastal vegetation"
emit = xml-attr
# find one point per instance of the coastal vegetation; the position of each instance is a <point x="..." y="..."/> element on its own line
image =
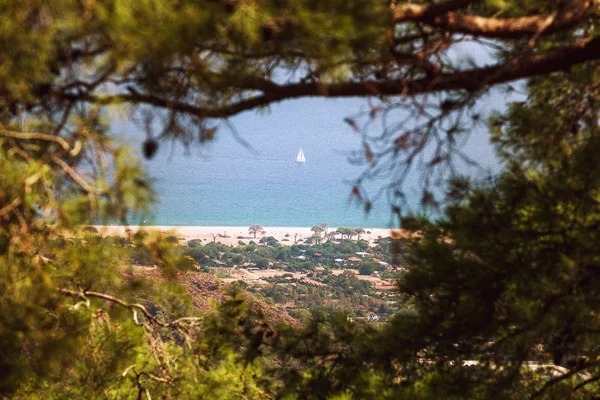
<point x="301" y="277"/>
<point x="496" y="295"/>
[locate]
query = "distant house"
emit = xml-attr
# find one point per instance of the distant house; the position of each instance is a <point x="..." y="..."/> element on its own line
<point x="372" y="317"/>
<point x="362" y="254"/>
<point x="319" y="268"/>
<point x="353" y="259"/>
<point x="301" y="257"/>
<point x="339" y="260"/>
<point x="318" y="255"/>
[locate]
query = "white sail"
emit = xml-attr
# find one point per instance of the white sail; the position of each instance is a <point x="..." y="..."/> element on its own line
<point x="300" y="157"/>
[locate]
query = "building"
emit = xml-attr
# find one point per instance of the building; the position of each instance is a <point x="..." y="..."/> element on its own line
<point x="372" y="317"/>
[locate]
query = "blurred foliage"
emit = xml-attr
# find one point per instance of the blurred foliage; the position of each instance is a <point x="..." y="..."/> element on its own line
<point x="508" y="276"/>
<point x="501" y="297"/>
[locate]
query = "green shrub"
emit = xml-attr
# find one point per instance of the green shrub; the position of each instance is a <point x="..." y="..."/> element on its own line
<point x="368" y="267"/>
<point x="171" y="239"/>
<point x="269" y="240"/>
<point x="195" y="243"/>
<point x="237" y="259"/>
<point x="262" y="263"/>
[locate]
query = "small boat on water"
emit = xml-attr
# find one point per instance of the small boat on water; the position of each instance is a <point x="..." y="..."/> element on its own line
<point x="300" y="157"/>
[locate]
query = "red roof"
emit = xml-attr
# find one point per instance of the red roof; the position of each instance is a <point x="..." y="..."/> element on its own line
<point x="318" y="255"/>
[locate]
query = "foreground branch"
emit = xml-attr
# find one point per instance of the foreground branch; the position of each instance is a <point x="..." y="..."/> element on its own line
<point x="135" y="307"/>
<point x="87" y="187"/>
<point x="36" y="136"/>
<point x="472" y="80"/>
<point x="442" y="16"/>
<point x="10" y="206"/>
<point x="417" y="12"/>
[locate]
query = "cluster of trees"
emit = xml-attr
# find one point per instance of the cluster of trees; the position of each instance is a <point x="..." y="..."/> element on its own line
<point x="269" y="241"/>
<point x="218" y="254"/>
<point x="505" y="277"/>
<point x="344" y="292"/>
<point x="204" y="254"/>
<point x="349" y="232"/>
<point x="342" y="231"/>
<point x="369" y="267"/>
<point x="317" y="230"/>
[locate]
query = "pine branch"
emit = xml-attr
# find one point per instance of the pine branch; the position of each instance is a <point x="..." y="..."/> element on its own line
<point x="442" y="16"/>
<point x="36" y="136"/>
<point x="135" y="307"/>
<point x="10" y="206"/>
<point x="472" y="80"/>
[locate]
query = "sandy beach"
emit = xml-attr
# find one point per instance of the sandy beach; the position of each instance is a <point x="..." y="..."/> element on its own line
<point x="232" y="234"/>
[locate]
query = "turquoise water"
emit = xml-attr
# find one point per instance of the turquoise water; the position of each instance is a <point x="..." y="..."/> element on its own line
<point x="225" y="184"/>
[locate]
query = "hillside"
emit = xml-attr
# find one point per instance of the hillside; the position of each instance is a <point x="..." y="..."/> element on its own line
<point x="204" y="289"/>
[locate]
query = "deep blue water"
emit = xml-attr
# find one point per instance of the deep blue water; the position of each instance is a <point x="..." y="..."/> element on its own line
<point x="225" y="184"/>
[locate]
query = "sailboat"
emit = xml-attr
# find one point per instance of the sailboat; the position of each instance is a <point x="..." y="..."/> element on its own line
<point x="300" y="157"/>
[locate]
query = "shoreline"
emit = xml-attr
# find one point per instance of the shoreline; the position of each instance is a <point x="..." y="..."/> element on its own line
<point x="233" y="234"/>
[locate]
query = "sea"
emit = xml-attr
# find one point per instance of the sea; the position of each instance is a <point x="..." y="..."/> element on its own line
<point x="248" y="173"/>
